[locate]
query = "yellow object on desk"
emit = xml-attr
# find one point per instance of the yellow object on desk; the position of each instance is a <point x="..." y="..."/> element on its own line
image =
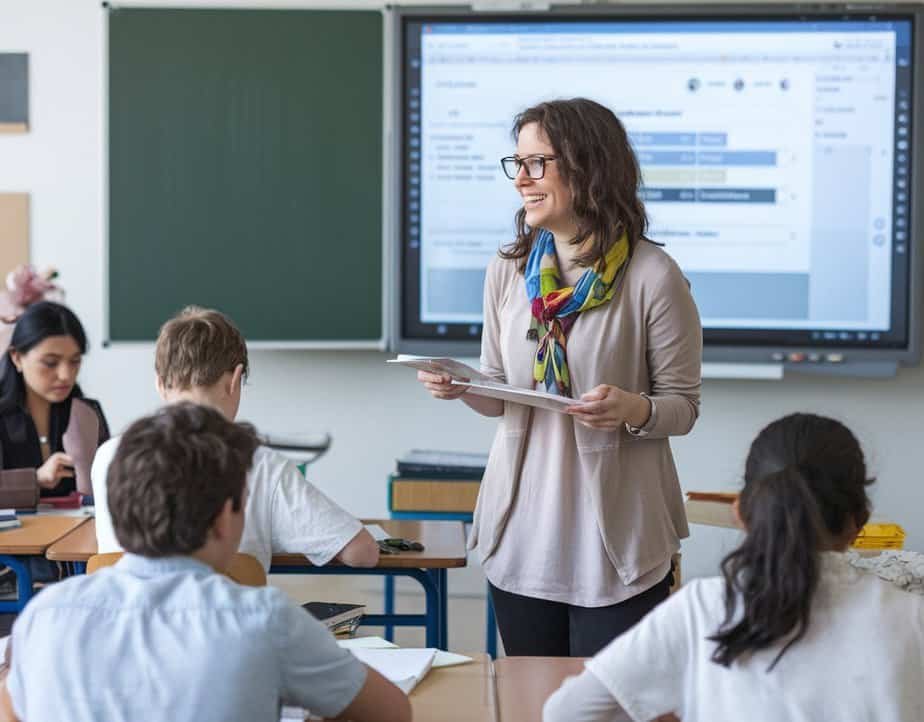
<point x="880" y="536"/>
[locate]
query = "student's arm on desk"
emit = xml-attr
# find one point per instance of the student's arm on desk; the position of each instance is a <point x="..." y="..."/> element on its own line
<point x="360" y="551"/>
<point x="583" y="699"/>
<point x="378" y="701"/>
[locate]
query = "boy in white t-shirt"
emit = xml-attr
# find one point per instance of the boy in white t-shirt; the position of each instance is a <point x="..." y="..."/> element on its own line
<point x="791" y="631"/>
<point x="202" y="357"/>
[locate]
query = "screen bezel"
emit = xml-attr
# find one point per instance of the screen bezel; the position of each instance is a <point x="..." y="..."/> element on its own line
<point x="902" y="344"/>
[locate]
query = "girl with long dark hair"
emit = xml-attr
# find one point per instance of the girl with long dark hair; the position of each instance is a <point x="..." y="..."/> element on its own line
<point x="791" y="631"/>
<point x="39" y="397"/>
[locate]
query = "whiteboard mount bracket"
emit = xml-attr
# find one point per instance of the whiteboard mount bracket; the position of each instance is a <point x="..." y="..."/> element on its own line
<point x="488" y="6"/>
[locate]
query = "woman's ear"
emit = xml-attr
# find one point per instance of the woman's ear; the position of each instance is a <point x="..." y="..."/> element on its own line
<point x="16" y="358"/>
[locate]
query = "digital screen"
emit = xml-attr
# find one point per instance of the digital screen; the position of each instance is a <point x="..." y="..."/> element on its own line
<point x="776" y="160"/>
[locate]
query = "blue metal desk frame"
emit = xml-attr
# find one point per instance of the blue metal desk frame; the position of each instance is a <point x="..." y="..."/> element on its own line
<point x="20" y="567"/>
<point x="490" y="643"/>
<point x="433" y="582"/>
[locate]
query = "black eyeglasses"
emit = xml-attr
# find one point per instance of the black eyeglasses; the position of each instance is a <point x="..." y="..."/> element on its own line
<point x="534" y="164"/>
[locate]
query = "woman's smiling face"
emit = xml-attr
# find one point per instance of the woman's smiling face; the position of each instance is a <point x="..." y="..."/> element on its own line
<point x="547" y="200"/>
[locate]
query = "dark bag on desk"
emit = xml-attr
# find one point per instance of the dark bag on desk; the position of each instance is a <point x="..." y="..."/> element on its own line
<point x="18" y="489"/>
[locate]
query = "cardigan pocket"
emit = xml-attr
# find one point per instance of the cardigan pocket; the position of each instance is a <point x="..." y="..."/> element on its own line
<point x="597" y="441"/>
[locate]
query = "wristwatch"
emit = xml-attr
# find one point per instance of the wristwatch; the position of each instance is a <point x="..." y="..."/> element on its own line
<point x="649" y="425"/>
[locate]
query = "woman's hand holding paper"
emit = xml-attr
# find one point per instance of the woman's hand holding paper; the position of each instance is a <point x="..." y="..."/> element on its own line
<point x="609" y="408"/>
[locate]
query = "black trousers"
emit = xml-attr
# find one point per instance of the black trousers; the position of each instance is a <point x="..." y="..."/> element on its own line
<point x="533" y="627"/>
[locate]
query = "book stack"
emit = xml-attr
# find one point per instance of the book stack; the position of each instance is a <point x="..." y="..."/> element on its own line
<point x="338" y="618"/>
<point x="429" y="483"/>
<point x="712" y="508"/>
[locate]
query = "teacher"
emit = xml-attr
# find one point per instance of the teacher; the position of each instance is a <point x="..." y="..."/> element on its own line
<point x="580" y="512"/>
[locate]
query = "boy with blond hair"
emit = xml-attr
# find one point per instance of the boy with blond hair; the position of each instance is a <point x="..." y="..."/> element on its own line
<point x="202" y="357"/>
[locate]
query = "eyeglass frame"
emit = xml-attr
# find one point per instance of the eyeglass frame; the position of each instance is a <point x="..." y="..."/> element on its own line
<point x="521" y="163"/>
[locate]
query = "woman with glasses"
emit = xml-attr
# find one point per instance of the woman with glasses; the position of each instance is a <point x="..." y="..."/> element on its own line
<point x="580" y="513"/>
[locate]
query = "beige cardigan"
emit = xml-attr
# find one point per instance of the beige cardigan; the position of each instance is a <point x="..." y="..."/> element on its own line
<point x="647" y="339"/>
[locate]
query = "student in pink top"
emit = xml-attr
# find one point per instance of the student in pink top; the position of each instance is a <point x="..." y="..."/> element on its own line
<point x="579" y="513"/>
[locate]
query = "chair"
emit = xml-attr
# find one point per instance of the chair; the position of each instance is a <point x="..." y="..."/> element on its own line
<point x="244" y="569"/>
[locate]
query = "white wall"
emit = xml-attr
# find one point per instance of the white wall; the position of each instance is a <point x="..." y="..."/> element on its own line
<point x="373" y="412"/>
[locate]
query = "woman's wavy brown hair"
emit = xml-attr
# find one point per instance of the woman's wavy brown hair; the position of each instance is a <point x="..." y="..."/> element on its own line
<point x="598" y="164"/>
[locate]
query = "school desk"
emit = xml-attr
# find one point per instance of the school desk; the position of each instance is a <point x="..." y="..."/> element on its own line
<point x="524" y="684"/>
<point x="32" y="539"/>
<point x="444" y="548"/>
<point x="464" y="693"/>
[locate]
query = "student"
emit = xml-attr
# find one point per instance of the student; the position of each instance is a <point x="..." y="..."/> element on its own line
<point x="201" y="357"/>
<point x="38" y="390"/>
<point x="791" y="631"/>
<point x="161" y="635"/>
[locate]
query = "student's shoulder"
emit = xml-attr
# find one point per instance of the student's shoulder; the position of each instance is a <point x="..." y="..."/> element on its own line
<point x="701" y="601"/>
<point x="105" y="452"/>
<point x="269" y="464"/>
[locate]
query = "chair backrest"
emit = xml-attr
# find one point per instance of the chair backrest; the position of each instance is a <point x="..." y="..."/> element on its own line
<point x="244" y="568"/>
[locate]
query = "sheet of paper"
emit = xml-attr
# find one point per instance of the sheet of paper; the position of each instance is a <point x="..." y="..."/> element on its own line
<point x="377" y="532"/>
<point x="440" y="364"/>
<point x="404" y="667"/>
<point x="449" y="659"/>
<point x="505" y="392"/>
<point x="366" y="643"/>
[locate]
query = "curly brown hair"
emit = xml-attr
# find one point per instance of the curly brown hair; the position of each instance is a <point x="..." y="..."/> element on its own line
<point x="172" y="474"/>
<point x="601" y="170"/>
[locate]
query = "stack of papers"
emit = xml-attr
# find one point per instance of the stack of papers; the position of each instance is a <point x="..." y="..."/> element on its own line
<point x="404" y="667"/>
<point x="8" y="519"/>
<point x="482" y="385"/>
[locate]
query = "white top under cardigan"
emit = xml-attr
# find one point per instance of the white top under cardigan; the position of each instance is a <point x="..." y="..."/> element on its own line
<point x="862" y="660"/>
<point x="573" y="514"/>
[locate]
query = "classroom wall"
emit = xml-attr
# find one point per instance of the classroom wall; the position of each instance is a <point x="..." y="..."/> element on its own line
<point x="373" y="412"/>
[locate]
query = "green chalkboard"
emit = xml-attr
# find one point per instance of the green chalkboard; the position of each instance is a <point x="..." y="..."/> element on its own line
<point x="245" y="171"/>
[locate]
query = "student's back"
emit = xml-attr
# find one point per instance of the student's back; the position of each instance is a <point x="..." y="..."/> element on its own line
<point x="155" y="638"/>
<point x="790" y="631"/>
<point x="164" y="636"/>
<point x="862" y="658"/>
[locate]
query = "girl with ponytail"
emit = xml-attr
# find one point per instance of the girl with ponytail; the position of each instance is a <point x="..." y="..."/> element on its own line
<point x="790" y="631"/>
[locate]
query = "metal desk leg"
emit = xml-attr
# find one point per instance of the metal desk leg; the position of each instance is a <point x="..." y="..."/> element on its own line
<point x="490" y="644"/>
<point x="389" y="606"/>
<point x="20" y="567"/>
<point x="442" y="580"/>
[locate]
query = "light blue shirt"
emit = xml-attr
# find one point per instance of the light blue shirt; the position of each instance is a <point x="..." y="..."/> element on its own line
<point x="159" y="639"/>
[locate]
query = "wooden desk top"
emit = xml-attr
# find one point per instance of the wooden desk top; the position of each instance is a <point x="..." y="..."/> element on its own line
<point x="464" y="693"/>
<point x="37" y="533"/>
<point x="525" y="683"/>
<point x="444" y="545"/>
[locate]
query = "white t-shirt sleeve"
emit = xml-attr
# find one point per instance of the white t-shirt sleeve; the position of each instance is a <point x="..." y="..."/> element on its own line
<point x="106" y="541"/>
<point x="305" y="521"/>
<point x="645" y="668"/>
<point x="316" y="673"/>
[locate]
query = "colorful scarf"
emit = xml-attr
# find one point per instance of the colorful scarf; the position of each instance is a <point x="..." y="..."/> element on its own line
<point x="556" y="309"/>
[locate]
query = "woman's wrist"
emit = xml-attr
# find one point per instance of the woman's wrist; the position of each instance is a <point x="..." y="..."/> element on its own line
<point x="641" y="412"/>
